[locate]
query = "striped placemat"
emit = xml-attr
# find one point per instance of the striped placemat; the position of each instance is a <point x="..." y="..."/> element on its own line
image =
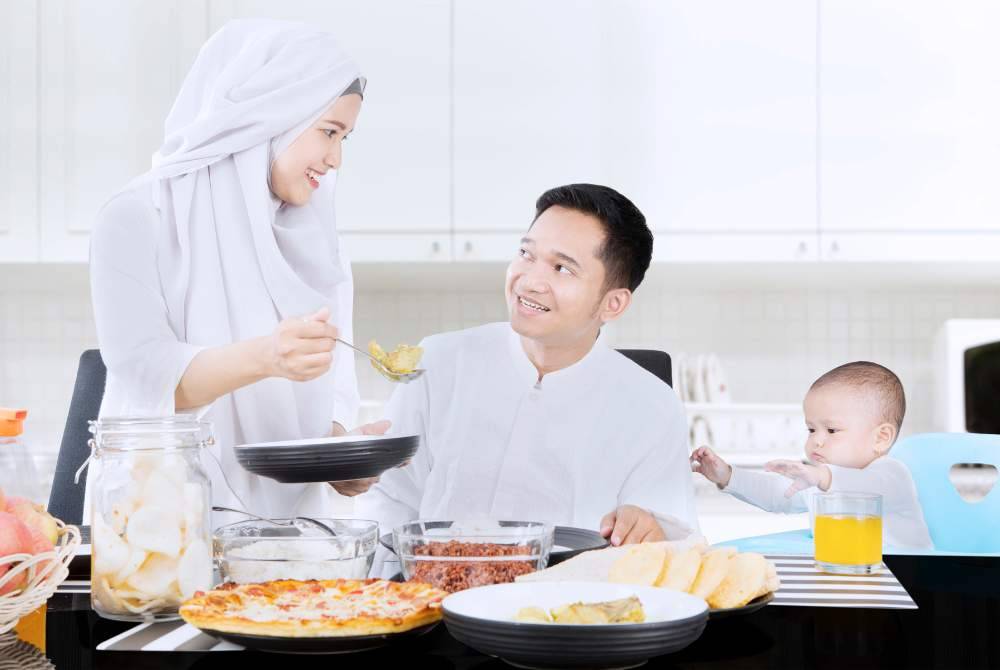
<point x="803" y="585"/>
<point x="166" y="636"/>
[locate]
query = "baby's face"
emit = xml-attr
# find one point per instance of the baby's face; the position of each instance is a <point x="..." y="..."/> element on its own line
<point x="843" y="426"/>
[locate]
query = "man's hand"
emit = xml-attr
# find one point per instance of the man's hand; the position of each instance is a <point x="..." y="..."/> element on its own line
<point x="630" y="525"/>
<point x="355" y="487"/>
<point x="708" y="463"/>
<point x="802" y="475"/>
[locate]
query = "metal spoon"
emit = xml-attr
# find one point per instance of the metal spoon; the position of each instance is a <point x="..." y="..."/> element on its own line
<point x="404" y="377"/>
<point x="289" y="524"/>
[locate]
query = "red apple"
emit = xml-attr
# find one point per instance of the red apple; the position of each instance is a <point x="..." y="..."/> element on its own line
<point x="34" y="516"/>
<point x="15" y="538"/>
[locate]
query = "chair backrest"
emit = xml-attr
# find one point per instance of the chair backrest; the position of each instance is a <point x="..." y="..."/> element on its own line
<point x="954" y="524"/>
<point x="657" y="362"/>
<point x="66" y="498"/>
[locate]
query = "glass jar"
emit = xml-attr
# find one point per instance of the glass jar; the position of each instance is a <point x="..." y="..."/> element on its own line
<point x="150" y="505"/>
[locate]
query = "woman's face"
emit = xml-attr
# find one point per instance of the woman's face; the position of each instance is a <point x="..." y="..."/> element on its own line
<point x="297" y="171"/>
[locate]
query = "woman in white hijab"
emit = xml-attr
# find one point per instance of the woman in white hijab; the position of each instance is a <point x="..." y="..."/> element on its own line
<point x="217" y="281"/>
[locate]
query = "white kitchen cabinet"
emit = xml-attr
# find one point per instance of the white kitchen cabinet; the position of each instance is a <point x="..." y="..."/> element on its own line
<point x="396" y="165"/>
<point x="530" y="94"/>
<point x="751" y="247"/>
<point x="110" y="73"/>
<point x="18" y="129"/>
<point x="714" y="116"/>
<point x="909" y="132"/>
<point x="377" y="247"/>
<point x="911" y="247"/>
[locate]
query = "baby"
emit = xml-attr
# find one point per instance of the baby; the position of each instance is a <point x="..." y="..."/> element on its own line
<point x="853" y="414"/>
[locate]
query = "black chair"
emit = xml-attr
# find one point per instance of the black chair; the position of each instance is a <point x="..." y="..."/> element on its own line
<point x="66" y="498"/>
<point x="651" y="360"/>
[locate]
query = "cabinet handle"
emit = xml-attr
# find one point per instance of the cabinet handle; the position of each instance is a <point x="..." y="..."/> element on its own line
<point x="468" y="247"/>
<point x="834" y="248"/>
<point x="803" y="249"/>
<point x="436" y="247"/>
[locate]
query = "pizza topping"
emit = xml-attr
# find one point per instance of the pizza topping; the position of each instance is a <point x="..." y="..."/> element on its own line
<point x="333" y="604"/>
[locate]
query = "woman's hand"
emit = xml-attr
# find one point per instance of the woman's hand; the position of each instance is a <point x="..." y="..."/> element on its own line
<point x="301" y="348"/>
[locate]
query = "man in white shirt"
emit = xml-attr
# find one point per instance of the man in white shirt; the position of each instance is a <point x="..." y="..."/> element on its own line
<point x="538" y="419"/>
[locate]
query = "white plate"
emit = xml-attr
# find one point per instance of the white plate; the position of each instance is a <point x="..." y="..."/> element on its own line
<point x="501" y="602"/>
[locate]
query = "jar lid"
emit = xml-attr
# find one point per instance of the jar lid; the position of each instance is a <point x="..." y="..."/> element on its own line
<point x="12" y="421"/>
<point x="134" y="432"/>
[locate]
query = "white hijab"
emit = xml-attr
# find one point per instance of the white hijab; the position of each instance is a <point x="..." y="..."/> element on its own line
<point x="233" y="260"/>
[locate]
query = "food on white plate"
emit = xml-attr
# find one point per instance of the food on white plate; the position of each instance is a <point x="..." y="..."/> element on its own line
<point x="642" y="565"/>
<point x="401" y="360"/>
<point x="722" y="577"/>
<point x="680" y="569"/>
<point x="624" y="610"/>
<point x="331" y="608"/>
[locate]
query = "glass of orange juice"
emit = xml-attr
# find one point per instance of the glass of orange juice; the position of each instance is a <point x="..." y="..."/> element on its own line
<point x="848" y="533"/>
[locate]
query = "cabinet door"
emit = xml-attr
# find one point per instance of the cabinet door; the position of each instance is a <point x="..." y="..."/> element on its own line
<point x="111" y="70"/>
<point x="714" y="114"/>
<point x="910" y="102"/>
<point x="530" y="93"/>
<point x="18" y="128"/>
<point x="396" y="172"/>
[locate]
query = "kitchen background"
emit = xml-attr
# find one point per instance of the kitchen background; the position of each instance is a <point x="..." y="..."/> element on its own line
<point x="821" y="178"/>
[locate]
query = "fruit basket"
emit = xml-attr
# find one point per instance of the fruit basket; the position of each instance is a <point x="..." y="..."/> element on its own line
<point x="31" y="579"/>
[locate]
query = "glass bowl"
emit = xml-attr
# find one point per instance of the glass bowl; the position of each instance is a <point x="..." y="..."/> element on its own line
<point x="459" y="555"/>
<point x="256" y="551"/>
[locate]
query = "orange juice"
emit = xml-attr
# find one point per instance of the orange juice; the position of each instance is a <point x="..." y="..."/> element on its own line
<point x="847" y="539"/>
<point x="31" y="628"/>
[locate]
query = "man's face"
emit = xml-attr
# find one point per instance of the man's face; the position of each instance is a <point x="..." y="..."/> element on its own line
<point x="555" y="286"/>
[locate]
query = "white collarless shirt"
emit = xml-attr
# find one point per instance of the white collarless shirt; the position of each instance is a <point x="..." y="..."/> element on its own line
<point x="497" y="443"/>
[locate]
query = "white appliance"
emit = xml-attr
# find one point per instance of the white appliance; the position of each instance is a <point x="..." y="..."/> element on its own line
<point x="967" y="376"/>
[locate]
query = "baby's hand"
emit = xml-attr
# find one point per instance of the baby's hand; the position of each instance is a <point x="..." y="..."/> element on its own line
<point x="708" y="463"/>
<point x="803" y="476"/>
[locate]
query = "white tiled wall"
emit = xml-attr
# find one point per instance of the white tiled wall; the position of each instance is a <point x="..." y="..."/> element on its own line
<point x="773" y="342"/>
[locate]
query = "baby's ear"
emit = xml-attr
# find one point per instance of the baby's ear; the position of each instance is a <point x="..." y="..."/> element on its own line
<point x="885" y="435"/>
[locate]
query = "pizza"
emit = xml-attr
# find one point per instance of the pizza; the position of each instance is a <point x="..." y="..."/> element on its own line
<point x="329" y="608"/>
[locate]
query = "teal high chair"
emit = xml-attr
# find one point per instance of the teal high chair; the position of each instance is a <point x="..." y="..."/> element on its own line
<point x="956" y="526"/>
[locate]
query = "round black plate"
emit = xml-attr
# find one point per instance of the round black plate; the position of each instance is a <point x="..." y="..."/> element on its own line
<point x="577" y="541"/>
<point x="325" y="462"/>
<point x="752" y="606"/>
<point x="319" y="645"/>
<point x="550" y="646"/>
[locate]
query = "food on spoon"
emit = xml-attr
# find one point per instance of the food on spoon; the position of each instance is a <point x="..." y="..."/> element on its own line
<point x="624" y="610"/>
<point x="401" y="360"/>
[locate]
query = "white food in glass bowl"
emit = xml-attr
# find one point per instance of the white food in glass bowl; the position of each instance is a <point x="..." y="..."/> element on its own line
<point x="301" y="558"/>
